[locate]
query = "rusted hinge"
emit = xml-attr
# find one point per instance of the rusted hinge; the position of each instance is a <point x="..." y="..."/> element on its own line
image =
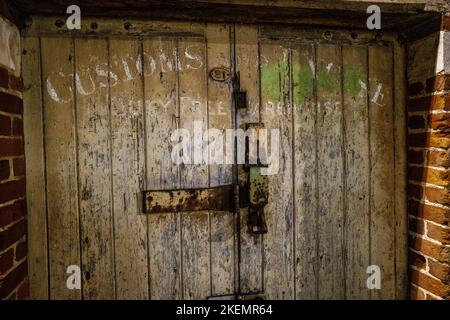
<point x="164" y="201"/>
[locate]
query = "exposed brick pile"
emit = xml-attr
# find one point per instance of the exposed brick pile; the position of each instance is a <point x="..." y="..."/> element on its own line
<point x="13" y="225"/>
<point x="429" y="186"/>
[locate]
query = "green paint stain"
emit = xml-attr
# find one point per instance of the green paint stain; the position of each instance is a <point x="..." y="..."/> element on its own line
<point x="327" y="81"/>
<point x="271" y="79"/>
<point x="274" y="75"/>
<point x="352" y="81"/>
<point x="302" y="82"/>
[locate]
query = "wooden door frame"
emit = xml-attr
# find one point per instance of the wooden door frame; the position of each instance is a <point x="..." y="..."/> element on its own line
<point x="396" y="15"/>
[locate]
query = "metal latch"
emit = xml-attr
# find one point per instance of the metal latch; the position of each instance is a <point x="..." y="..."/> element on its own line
<point x="258" y="199"/>
<point x="257" y="185"/>
<point x="239" y="96"/>
<point x="251" y="191"/>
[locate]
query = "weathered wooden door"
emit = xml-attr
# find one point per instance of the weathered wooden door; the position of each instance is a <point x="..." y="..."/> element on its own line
<point x="100" y="109"/>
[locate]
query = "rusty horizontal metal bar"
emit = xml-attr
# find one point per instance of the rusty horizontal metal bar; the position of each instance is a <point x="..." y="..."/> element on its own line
<point x="165" y="201"/>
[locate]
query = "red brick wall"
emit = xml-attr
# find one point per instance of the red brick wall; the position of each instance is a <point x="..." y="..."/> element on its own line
<point x="13" y="223"/>
<point x="429" y="173"/>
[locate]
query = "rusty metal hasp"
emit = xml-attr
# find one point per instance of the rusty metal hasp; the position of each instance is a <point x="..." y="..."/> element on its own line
<point x="257" y="186"/>
<point x="164" y="201"/>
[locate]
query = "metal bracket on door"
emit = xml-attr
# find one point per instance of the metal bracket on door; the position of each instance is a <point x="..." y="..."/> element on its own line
<point x="240" y="97"/>
<point x="204" y="199"/>
<point x="250" y="192"/>
<point x="256" y="186"/>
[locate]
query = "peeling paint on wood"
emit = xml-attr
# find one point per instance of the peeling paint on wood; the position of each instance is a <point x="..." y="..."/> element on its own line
<point x="109" y="107"/>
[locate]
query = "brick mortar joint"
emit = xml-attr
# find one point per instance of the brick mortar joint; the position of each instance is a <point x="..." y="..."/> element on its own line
<point x="426" y="272"/>
<point x="410" y="216"/>
<point x="15" y="93"/>
<point x="15" y="290"/>
<point x="426" y="292"/>
<point x="429" y="203"/>
<point x="413" y="98"/>
<point x="425" y="237"/>
<point x="425" y="184"/>
<point x="13" y="267"/>
<point x="428" y="257"/>
<point x="11" y="202"/>
<point x="12" y="224"/>
<point x="426" y="166"/>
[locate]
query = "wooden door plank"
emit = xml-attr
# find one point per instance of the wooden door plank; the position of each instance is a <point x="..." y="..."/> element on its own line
<point x="401" y="215"/>
<point x="220" y="117"/>
<point x="304" y="162"/>
<point x="161" y="119"/>
<point x="193" y="110"/>
<point x="35" y="169"/>
<point x="61" y="164"/>
<point x="276" y="114"/>
<point x="196" y="255"/>
<point x="95" y="198"/>
<point x="382" y="167"/>
<point x="128" y="165"/>
<point x="165" y="256"/>
<point x="330" y="172"/>
<point x="250" y="251"/>
<point x="222" y="253"/>
<point x="357" y="175"/>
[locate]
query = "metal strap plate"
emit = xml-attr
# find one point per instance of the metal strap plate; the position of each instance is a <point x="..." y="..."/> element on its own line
<point x="164" y="201"/>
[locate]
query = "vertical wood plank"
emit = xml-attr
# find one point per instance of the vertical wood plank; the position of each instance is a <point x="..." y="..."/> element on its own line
<point x="161" y="114"/>
<point x="304" y="159"/>
<point x="61" y="164"/>
<point x="330" y="172"/>
<point x="401" y="216"/>
<point x="93" y="129"/>
<point x="165" y="256"/>
<point x="220" y="117"/>
<point x="128" y="164"/>
<point x="276" y="114"/>
<point x="382" y="165"/>
<point x="196" y="255"/>
<point x="222" y="253"/>
<point x="193" y="109"/>
<point x="357" y="175"/>
<point x="247" y="63"/>
<point x="35" y="169"/>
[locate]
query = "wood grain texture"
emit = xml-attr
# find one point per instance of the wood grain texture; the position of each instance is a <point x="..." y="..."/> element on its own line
<point x="246" y="47"/>
<point x="161" y="117"/>
<point x="103" y="134"/>
<point x="330" y="172"/>
<point x="196" y="255"/>
<point x="222" y="253"/>
<point x="94" y="170"/>
<point x="35" y="170"/>
<point x="165" y="256"/>
<point x="382" y="226"/>
<point x="304" y="162"/>
<point x="128" y="165"/>
<point x="220" y="117"/>
<point x="276" y="114"/>
<point x="357" y="176"/>
<point x="61" y="164"/>
<point x="161" y="110"/>
<point x="195" y="226"/>
<point x="401" y="215"/>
